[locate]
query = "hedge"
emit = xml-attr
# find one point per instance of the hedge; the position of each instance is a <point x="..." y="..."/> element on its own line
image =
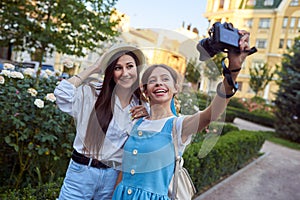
<point x="261" y="118"/>
<point x="231" y="152"/>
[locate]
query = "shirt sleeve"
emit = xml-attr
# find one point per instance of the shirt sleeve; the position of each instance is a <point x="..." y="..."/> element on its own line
<point x="181" y="145"/>
<point x="74" y="100"/>
<point x="65" y="96"/>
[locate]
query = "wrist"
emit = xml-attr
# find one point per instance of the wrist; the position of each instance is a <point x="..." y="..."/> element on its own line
<point x="226" y="91"/>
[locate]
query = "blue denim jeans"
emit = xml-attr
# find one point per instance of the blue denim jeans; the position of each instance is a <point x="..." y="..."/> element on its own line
<point x="85" y="182"/>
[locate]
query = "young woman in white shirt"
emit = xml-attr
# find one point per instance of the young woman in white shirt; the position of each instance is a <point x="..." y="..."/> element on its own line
<point x="103" y="114"/>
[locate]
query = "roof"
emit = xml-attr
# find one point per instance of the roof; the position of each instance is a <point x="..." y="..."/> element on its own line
<point x="259" y="4"/>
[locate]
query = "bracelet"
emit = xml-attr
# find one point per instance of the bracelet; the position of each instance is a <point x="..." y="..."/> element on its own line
<point x="220" y="94"/>
<point x="78" y="77"/>
<point x="227" y="74"/>
<point x="236" y="70"/>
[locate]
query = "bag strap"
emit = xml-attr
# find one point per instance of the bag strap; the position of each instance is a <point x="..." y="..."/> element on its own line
<point x="177" y="160"/>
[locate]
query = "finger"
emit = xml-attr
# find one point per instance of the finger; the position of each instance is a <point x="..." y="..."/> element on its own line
<point x="139" y="114"/>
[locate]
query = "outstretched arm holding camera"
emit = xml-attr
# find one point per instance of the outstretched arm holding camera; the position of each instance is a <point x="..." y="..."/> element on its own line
<point x="195" y="123"/>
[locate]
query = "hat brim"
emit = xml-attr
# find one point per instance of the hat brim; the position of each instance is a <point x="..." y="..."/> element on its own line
<point x="107" y="60"/>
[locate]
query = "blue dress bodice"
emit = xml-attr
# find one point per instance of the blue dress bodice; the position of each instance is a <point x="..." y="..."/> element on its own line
<point x="148" y="164"/>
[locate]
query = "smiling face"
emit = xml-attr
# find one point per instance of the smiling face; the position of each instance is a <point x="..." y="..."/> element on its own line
<point x="160" y="86"/>
<point x="125" y="71"/>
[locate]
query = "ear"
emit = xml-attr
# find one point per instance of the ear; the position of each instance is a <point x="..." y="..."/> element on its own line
<point x="176" y="88"/>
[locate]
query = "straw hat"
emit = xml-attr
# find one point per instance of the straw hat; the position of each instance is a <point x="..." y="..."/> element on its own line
<point x="111" y="52"/>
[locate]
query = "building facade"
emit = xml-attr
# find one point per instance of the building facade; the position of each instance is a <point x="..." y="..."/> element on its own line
<point x="273" y="25"/>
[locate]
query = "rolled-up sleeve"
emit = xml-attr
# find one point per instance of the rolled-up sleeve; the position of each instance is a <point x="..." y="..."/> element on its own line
<point x="65" y="96"/>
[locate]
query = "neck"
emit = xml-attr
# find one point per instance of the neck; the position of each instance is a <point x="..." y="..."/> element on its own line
<point x="160" y="111"/>
<point x="124" y="96"/>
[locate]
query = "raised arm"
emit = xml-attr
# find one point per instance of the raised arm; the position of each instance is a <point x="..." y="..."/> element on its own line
<point x="80" y="77"/>
<point x="195" y="123"/>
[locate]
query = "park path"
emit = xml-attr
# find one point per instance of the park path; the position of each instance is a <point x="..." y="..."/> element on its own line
<point x="273" y="176"/>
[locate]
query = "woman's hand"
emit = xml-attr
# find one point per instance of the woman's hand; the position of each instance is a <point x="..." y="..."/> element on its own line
<point x="97" y="66"/>
<point x="138" y="111"/>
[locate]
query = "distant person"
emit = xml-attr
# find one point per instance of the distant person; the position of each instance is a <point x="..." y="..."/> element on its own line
<point x="148" y="158"/>
<point x="104" y="116"/>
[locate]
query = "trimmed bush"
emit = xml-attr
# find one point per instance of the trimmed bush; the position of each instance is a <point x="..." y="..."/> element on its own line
<point x="262" y="118"/>
<point x="231" y="152"/>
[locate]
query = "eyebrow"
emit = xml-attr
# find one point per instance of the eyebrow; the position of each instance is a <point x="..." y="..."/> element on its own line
<point x="130" y="62"/>
<point x="159" y="75"/>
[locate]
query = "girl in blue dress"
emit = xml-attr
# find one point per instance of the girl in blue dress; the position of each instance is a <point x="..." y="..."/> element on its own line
<point x="148" y="158"/>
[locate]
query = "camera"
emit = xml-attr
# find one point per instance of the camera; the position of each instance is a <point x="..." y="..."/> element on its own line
<point x="223" y="37"/>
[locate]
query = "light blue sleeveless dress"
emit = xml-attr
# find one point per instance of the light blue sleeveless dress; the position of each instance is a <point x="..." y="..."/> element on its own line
<point x="148" y="164"/>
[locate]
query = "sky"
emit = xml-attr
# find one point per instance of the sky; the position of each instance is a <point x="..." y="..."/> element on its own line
<point x="165" y="14"/>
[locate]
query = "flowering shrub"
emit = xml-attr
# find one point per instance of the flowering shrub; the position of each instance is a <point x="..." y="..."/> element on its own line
<point x="37" y="136"/>
<point x="257" y="104"/>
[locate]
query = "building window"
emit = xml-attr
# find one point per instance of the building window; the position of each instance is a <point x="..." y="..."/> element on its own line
<point x="281" y="42"/>
<point x="294" y="3"/>
<point x="285" y="22"/>
<point x="268" y="2"/>
<point x="221" y="5"/>
<point x="264" y="23"/>
<point x="293" y="22"/>
<point x="248" y="23"/>
<point x="240" y="84"/>
<point x="298" y="23"/>
<point x="289" y="44"/>
<point x="251" y="3"/>
<point x="261" y="43"/>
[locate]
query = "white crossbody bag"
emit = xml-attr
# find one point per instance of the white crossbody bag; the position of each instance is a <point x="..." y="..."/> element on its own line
<point x="181" y="186"/>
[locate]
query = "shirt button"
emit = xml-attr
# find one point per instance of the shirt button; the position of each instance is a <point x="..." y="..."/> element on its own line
<point x="129" y="191"/>
<point x="132" y="171"/>
<point x="135" y="152"/>
<point x="140" y="133"/>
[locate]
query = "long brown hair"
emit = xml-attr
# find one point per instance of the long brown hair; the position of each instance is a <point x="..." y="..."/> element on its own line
<point x="102" y="113"/>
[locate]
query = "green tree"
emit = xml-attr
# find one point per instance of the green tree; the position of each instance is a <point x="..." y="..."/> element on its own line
<point x="68" y="26"/>
<point x="213" y="67"/>
<point x="260" y="76"/>
<point x="192" y="72"/>
<point x="213" y="70"/>
<point x="288" y="96"/>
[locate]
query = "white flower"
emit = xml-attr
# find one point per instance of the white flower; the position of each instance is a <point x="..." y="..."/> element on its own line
<point x="9" y="66"/>
<point x="15" y="74"/>
<point x="29" y="71"/>
<point x="50" y="97"/>
<point x="68" y="64"/>
<point x="5" y="72"/>
<point x="44" y="75"/>
<point x="196" y="108"/>
<point x="2" y="80"/>
<point x="32" y="91"/>
<point x="39" y="103"/>
<point x="48" y="72"/>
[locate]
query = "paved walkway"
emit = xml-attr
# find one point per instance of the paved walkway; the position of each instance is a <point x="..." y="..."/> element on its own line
<point x="273" y="176"/>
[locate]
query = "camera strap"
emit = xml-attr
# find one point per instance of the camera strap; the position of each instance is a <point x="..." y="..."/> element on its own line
<point x="227" y="75"/>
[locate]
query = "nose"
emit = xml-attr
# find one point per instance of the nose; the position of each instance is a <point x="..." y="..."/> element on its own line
<point x="125" y="71"/>
<point x="158" y="83"/>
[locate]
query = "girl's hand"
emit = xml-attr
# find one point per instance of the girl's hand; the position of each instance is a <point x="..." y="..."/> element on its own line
<point x="138" y="111"/>
<point x="237" y="59"/>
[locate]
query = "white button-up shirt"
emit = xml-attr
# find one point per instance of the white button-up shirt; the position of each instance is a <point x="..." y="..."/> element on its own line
<point x="79" y="102"/>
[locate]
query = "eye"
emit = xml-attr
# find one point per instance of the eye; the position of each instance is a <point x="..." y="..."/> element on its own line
<point x="165" y="79"/>
<point x="130" y="66"/>
<point x="118" y="68"/>
<point x="151" y="81"/>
